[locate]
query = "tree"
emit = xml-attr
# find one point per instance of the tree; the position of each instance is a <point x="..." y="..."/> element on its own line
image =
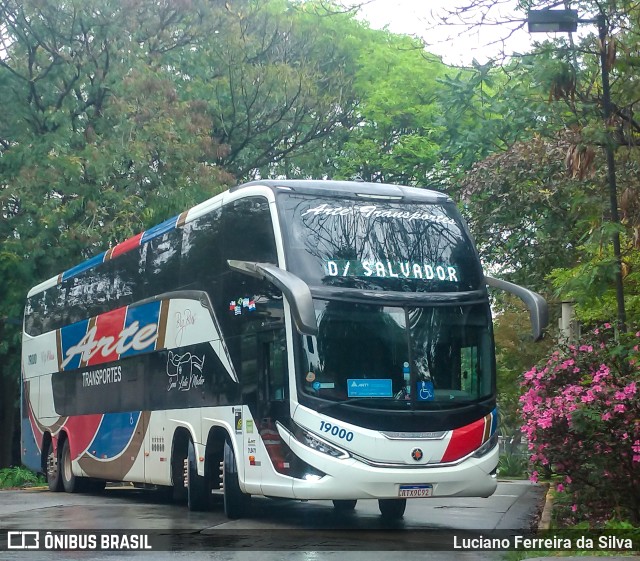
<point x="118" y="115"/>
<point x="542" y="197"/>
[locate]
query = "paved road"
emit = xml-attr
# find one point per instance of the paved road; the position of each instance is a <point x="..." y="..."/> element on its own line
<point x="288" y="530"/>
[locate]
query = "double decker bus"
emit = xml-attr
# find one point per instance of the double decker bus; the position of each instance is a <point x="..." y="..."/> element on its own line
<point x="298" y="339"/>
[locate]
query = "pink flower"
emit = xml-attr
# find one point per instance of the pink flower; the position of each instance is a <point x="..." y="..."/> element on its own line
<point x="545" y="422"/>
<point x="568" y="480"/>
<point x="588" y="397"/>
<point x="619" y="408"/>
<point x="559" y="487"/>
<point x="606" y="416"/>
<point x="607" y="326"/>
<point x="534" y="477"/>
<point x="574" y="508"/>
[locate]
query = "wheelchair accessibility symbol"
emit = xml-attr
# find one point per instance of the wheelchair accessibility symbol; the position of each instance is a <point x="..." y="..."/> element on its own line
<point x="425" y="390"/>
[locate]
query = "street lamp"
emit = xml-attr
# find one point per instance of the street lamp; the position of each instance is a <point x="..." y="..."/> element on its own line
<point x="549" y="21"/>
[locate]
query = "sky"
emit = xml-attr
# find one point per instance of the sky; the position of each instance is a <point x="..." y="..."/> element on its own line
<point x="457" y="43"/>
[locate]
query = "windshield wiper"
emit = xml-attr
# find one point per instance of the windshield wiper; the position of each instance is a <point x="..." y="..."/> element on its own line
<point x="346" y="402"/>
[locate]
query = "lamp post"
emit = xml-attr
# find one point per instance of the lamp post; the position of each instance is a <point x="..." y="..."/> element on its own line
<point x="550" y="21"/>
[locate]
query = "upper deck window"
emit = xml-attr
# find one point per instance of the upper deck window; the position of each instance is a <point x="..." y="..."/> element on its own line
<point x="378" y="244"/>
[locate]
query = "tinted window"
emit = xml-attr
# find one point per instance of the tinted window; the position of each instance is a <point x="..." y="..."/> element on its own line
<point x="389" y="245"/>
<point x="202" y="262"/>
<point x="246" y="304"/>
<point x="163" y="263"/>
<point x="368" y="353"/>
<point x="128" y="273"/>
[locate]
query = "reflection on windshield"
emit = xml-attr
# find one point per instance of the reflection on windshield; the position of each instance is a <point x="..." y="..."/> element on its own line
<point x="389" y="245"/>
<point x="389" y="356"/>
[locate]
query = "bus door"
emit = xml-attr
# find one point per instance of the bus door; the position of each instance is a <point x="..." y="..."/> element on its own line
<point x="273" y="401"/>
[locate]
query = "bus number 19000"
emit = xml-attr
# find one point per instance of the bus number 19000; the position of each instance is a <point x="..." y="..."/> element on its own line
<point x="336" y="431"/>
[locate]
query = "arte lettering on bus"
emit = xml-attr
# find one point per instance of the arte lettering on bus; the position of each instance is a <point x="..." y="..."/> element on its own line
<point x="372" y="211"/>
<point x="131" y="337"/>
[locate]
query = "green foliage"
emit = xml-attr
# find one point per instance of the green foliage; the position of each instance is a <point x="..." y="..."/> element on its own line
<point x="19" y="477"/>
<point x="590" y="283"/>
<point x="118" y="115"/>
<point x="516" y="352"/>
<point x="512" y="465"/>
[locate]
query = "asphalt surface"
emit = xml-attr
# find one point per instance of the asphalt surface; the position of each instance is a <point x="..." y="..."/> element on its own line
<point x="274" y="529"/>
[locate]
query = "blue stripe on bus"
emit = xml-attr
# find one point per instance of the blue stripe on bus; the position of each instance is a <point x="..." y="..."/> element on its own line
<point x="160" y="229"/>
<point x="113" y="435"/>
<point x="144" y="315"/>
<point x="88" y="264"/>
<point x="150" y="234"/>
<point x="70" y="336"/>
<point x="494" y="421"/>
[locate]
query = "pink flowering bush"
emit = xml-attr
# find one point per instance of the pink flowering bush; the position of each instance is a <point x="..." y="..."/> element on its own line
<point x="581" y="412"/>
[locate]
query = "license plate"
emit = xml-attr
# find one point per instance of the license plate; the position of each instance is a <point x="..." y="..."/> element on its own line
<point x="415" y="491"/>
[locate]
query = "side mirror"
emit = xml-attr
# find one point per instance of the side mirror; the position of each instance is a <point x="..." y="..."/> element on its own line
<point x="536" y="304"/>
<point x="294" y="288"/>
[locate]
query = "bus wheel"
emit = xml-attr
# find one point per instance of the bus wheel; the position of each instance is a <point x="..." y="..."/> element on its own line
<point x="54" y="481"/>
<point x="70" y="482"/>
<point x="236" y="503"/>
<point x="392" y="509"/>
<point x="344" y="505"/>
<point x="197" y="495"/>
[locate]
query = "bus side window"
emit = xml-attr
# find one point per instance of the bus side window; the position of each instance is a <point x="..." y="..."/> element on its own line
<point x="201" y="264"/>
<point x="127" y="270"/>
<point x="162" y="272"/>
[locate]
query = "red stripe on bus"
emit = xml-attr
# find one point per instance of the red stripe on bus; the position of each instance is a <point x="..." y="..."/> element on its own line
<point x="127" y="245"/>
<point x="464" y="441"/>
<point x="108" y="329"/>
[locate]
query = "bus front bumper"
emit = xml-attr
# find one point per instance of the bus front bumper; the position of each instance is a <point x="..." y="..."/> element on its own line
<point x="352" y="479"/>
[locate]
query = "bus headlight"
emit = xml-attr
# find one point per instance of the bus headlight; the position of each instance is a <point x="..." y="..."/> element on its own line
<point x="319" y="444"/>
<point x="487" y="446"/>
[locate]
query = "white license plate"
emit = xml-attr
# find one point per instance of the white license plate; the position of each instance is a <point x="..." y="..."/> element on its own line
<point x="415" y="491"/>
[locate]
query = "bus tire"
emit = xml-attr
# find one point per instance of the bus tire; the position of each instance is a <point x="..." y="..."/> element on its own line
<point x="344" y="505"/>
<point x="70" y="482"/>
<point x="197" y="488"/>
<point x="392" y="509"/>
<point x="236" y="503"/>
<point x="52" y="469"/>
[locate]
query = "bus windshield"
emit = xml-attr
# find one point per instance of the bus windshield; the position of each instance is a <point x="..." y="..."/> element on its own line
<point x="369" y="352"/>
<point x="373" y="245"/>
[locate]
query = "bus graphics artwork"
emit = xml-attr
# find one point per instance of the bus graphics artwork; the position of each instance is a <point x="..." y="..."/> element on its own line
<point x="297" y="339"/>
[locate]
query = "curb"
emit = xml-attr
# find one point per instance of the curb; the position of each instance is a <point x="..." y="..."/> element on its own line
<point x="545" y="517"/>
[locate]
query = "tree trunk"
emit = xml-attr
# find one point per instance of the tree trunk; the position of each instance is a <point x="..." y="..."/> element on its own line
<point x="8" y="416"/>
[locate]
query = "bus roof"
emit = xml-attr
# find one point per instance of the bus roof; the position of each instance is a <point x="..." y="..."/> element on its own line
<point x="355" y="189"/>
